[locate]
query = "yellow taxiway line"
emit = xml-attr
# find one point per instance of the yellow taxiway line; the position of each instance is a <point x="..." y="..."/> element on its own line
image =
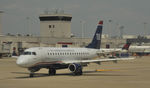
<point x="106" y="70"/>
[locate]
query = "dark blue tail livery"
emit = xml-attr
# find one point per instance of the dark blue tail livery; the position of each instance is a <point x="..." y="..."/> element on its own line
<point x="96" y="42"/>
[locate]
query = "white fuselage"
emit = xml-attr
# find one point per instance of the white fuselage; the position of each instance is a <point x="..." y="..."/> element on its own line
<point x="48" y="55"/>
<point x="142" y="49"/>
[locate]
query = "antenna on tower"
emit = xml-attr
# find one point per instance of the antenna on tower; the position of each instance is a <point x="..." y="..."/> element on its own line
<point x="56" y="11"/>
<point x="61" y="11"/>
<point x="46" y="11"/>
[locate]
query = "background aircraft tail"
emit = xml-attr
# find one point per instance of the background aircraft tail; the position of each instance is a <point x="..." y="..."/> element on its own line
<point x="126" y="46"/>
<point x="96" y="42"/>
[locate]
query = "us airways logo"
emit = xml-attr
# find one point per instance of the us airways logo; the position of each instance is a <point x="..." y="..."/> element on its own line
<point x="98" y="36"/>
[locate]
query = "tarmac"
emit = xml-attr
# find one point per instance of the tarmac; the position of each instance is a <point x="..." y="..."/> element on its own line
<point x="124" y="74"/>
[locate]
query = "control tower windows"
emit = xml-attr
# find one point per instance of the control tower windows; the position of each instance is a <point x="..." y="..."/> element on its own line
<point x="55" y="25"/>
<point x="51" y="26"/>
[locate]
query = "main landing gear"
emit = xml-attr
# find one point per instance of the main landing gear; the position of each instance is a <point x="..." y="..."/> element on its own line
<point x="78" y="72"/>
<point x="31" y="74"/>
<point x="52" y="71"/>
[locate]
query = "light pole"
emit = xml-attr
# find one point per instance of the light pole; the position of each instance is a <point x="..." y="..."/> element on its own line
<point x="1" y="23"/>
<point x="28" y="30"/>
<point x="82" y="24"/>
<point x="121" y="31"/>
<point x="145" y="23"/>
<point x="110" y="27"/>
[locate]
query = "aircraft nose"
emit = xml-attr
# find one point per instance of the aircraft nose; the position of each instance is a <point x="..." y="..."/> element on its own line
<point x="21" y="62"/>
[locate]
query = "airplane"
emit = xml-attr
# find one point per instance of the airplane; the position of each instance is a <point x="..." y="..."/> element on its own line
<point x="140" y="50"/>
<point x="54" y="58"/>
<point x="116" y="52"/>
<point x="125" y="48"/>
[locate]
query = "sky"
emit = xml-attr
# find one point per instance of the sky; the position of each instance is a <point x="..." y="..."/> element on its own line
<point x="22" y="16"/>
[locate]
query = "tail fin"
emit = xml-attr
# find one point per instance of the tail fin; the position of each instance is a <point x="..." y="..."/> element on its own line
<point x="96" y="42"/>
<point x="126" y="46"/>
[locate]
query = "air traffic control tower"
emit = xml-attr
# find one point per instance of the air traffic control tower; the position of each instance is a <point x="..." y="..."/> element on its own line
<point x="57" y="25"/>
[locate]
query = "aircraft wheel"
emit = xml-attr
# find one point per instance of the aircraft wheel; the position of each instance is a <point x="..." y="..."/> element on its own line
<point x="52" y="71"/>
<point x="79" y="72"/>
<point x="31" y="75"/>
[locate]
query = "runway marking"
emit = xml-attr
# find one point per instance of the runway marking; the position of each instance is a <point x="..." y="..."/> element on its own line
<point x="98" y="70"/>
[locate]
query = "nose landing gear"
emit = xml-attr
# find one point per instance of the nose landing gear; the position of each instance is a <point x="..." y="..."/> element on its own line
<point x="51" y="72"/>
<point x="32" y="70"/>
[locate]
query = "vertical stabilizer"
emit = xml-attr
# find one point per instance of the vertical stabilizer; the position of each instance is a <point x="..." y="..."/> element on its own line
<point x="96" y="42"/>
<point x="126" y="46"/>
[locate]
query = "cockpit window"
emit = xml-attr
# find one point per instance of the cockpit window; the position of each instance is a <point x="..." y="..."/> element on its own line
<point x="27" y="53"/>
<point x="33" y="53"/>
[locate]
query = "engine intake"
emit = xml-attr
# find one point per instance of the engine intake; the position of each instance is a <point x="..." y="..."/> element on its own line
<point x="75" y="67"/>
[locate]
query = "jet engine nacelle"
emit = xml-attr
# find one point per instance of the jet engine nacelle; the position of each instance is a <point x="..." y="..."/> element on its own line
<point x="75" y="67"/>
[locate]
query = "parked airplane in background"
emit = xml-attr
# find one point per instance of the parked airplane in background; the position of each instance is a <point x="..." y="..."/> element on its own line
<point x="60" y="58"/>
<point x="123" y="49"/>
<point x="140" y="50"/>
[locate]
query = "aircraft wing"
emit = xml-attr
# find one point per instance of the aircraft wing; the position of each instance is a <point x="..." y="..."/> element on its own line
<point x="97" y="60"/>
<point x="15" y="57"/>
<point x="108" y="51"/>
